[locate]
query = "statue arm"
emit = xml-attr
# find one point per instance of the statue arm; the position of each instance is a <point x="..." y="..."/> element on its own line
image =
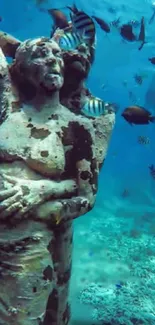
<point x="8" y="97"/>
<point x="86" y="179"/>
<point x="8" y="44"/>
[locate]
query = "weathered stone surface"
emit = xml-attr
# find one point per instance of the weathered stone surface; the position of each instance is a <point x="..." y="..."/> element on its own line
<point x="50" y="158"/>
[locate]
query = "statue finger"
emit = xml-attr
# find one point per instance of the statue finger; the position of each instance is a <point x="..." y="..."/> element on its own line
<point x="5" y="194"/>
<point x="10" y="211"/>
<point x="9" y="202"/>
<point x="10" y="179"/>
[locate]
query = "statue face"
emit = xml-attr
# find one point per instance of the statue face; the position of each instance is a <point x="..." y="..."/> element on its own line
<point x="42" y="63"/>
<point x="78" y="61"/>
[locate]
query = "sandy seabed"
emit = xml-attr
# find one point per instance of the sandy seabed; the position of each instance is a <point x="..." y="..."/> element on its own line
<point x="113" y="279"/>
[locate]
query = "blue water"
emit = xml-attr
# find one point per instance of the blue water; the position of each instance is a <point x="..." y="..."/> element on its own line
<point x="113" y="279"/>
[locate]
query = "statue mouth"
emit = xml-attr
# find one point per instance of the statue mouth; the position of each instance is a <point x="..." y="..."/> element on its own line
<point x="52" y="74"/>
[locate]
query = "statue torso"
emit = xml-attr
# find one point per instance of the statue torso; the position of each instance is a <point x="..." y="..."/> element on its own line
<point x="43" y="141"/>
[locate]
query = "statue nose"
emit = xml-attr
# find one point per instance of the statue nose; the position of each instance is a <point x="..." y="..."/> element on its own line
<point x="51" y="61"/>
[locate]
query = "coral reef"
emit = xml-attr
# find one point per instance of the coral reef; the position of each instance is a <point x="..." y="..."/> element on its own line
<point x="50" y="158"/>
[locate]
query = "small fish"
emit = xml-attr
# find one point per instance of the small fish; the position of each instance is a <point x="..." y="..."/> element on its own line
<point x="118" y="285"/>
<point x="94" y="107"/>
<point x="143" y="140"/>
<point x="152" y="60"/>
<point x="152" y="171"/>
<point x="70" y="41"/>
<point x="59" y="18"/>
<point x="137" y="115"/>
<point x="116" y="22"/>
<point x="102" y="24"/>
<point x="127" y="33"/>
<point x="141" y="36"/>
<point x="112" y="10"/>
<point x="83" y="25"/>
<point x="138" y="79"/>
<point x="125" y="193"/>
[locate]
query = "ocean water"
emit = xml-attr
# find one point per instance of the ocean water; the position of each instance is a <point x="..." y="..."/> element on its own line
<point x="113" y="279"/>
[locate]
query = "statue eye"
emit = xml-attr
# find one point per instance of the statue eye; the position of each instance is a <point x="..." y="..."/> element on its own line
<point x="39" y="53"/>
<point x="44" y="51"/>
<point x="56" y="52"/>
<point x="35" y="55"/>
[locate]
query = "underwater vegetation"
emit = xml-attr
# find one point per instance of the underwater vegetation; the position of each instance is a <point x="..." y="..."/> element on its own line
<point x="109" y="45"/>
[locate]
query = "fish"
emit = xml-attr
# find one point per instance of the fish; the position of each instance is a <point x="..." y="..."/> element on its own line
<point x="137" y="115"/>
<point x="142" y="139"/>
<point x="95" y="107"/>
<point x="125" y="193"/>
<point x="112" y="10"/>
<point x="141" y="36"/>
<point x="116" y="22"/>
<point x="127" y="33"/>
<point x="70" y="41"/>
<point x="102" y="24"/>
<point x="59" y="18"/>
<point x="83" y="25"/>
<point x="152" y="60"/>
<point x="138" y="79"/>
<point x="152" y="171"/>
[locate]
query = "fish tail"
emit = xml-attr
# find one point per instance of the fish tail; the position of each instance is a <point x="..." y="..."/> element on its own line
<point x="152" y="119"/>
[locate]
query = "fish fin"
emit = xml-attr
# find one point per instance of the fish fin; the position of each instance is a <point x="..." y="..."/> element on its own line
<point x="152" y="119"/>
<point x="84" y="37"/>
<point x="53" y="31"/>
<point x="71" y="17"/>
<point x="141" y="46"/>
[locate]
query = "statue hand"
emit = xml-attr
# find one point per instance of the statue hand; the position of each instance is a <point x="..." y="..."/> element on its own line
<point x="25" y="195"/>
<point x="21" y="198"/>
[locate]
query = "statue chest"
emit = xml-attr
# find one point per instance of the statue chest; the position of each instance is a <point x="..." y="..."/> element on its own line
<point x="40" y="146"/>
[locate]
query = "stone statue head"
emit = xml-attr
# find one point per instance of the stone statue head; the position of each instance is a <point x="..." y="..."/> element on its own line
<point x="40" y="63"/>
<point x="78" y="60"/>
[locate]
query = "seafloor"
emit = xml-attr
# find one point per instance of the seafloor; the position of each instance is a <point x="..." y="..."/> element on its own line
<point x="113" y="278"/>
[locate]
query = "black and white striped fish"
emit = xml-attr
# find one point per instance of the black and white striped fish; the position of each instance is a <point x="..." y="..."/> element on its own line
<point x="83" y="25"/>
<point x="70" y="41"/>
<point x="95" y="107"/>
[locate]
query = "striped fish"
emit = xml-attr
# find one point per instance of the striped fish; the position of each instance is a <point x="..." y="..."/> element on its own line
<point x="70" y="40"/>
<point x="95" y="107"/>
<point x="84" y="25"/>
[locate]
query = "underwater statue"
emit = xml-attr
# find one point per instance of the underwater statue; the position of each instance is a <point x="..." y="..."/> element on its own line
<point x="50" y="158"/>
